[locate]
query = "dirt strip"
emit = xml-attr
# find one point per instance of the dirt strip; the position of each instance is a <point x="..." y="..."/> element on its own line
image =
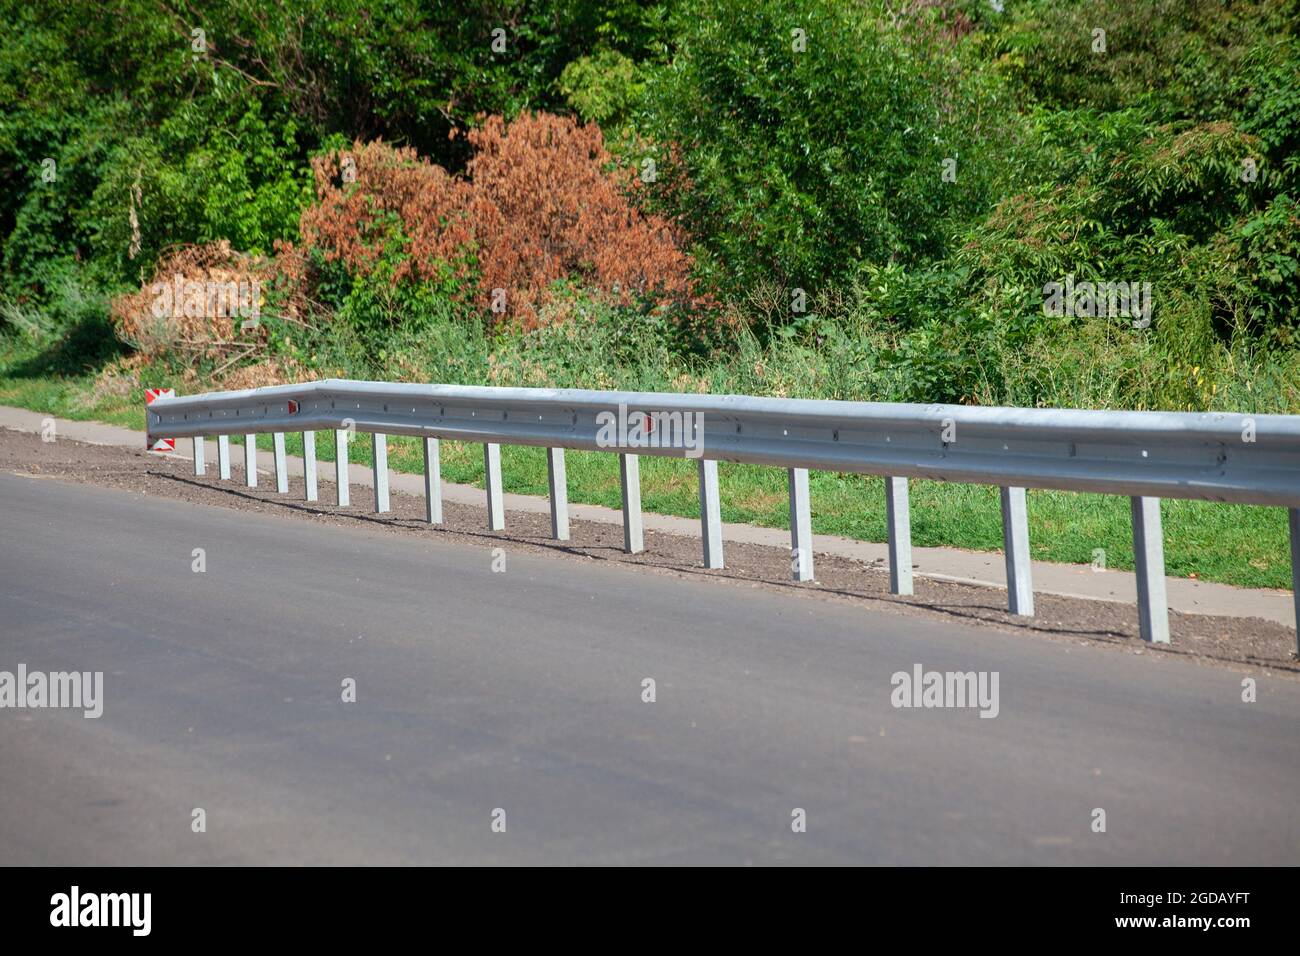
<point x="1237" y="642"/>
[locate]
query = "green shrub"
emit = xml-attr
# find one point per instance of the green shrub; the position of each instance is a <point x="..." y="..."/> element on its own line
<point x="183" y="185"/>
<point x="797" y="156"/>
<point x="1267" y="249"/>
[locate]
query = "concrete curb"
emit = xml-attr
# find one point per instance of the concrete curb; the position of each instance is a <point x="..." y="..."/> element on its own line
<point x="984" y="568"/>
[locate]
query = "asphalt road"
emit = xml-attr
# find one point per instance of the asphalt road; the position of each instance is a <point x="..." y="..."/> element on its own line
<point x="522" y="691"/>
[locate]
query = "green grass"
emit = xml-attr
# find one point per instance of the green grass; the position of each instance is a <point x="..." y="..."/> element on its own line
<point x="1234" y="544"/>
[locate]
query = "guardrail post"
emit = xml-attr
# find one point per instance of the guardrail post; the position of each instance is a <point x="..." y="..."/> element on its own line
<point x="1294" y="516"/>
<point x="341" y="467"/>
<point x="898" y="521"/>
<point x="379" y="453"/>
<point x="309" y="464"/>
<point x="1015" y="545"/>
<point x="558" y="485"/>
<point x="710" y="513"/>
<point x="223" y="457"/>
<point x="629" y="473"/>
<point x="250" y="460"/>
<point x="432" y="482"/>
<point x="801" y="555"/>
<point x="200" y="466"/>
<point x="281" y="464"/>
<point x="492" y="481"/>
<point x="1149" y="553"/>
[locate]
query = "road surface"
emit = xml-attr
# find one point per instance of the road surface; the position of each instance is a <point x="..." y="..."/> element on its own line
<point x="481" y="691"/>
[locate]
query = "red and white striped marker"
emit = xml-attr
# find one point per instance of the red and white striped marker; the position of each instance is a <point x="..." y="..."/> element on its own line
<point x="162" y="444"/>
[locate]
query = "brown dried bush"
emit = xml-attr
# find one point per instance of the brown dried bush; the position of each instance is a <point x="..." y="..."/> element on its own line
<point x="549" y="204"/>
<point x="543" y="202"/>
<point x="194" y="306"/>
<point x="362" y="195"/>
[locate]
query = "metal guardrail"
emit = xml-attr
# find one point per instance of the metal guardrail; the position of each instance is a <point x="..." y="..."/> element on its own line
<point x="1252" y="459"/>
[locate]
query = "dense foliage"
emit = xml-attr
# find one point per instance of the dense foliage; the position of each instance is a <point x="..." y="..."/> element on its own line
<point x="855" y="198"/>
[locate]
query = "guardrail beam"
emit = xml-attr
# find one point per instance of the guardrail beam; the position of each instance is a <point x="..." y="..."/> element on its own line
<point x="492" y="482"/>
<point x="1015" y="549"/>
<point x="898" y="523"/>
<point x="343" y="494"/>
<point x="1149" y="553"/>
<point x="801" y="554"/>
<point x="710" y="513"/>
<point x="629" y="476"/>
<point x="432" y="482"/>
<point x="1158" y="454"/>
<point x="200" y="466"/>
<point x="250" y="460"/>
<point x="309" y="465"/>
<point x="281" y="464"/>
<point x="379" y="456"/>
<point x="223" y="457"/>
